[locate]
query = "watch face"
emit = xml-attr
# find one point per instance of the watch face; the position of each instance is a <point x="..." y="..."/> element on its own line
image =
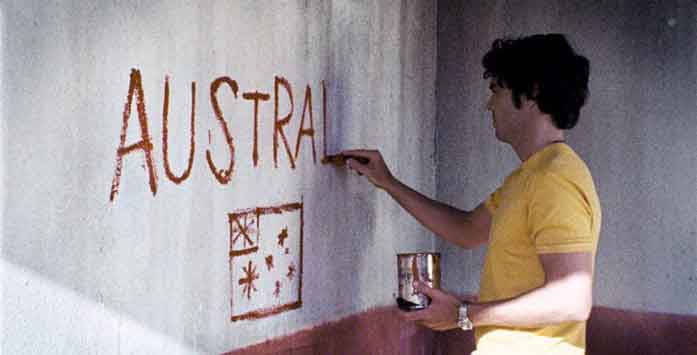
<point x="465" y="324"/>
<point x="462" y="319"/>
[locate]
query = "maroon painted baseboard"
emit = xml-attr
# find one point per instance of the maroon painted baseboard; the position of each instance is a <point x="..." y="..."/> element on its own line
<point x="382" y="331"/>
<point x="378" y="331"/>
<point x="619" y="332"/>
<point x="453" y="342"/>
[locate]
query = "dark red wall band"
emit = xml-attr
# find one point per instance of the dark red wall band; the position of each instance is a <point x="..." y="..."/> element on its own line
<point x="382" y="331"/>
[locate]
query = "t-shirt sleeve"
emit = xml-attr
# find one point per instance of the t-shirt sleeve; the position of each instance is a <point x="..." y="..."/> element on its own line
<point x="559" y="215"/>
<point x="492" y="202"/>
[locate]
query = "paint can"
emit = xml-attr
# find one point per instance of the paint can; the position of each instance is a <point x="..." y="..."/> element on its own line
<point x="422" y="267"/>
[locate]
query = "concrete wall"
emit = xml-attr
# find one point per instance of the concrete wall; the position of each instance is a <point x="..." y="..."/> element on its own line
<point x="147" y="270"/>
<point x="636" y="133"/>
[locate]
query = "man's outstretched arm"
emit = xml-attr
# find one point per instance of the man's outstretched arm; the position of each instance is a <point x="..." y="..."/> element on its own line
<point x="464" y="228"/>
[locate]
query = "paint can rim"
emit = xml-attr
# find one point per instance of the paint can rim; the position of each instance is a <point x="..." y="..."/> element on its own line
<point x="418" y="254"/>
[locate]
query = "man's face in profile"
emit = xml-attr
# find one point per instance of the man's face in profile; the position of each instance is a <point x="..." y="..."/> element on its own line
<point x="506" y="117"/>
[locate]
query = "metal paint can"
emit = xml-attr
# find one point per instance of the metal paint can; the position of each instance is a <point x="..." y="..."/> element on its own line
<point x="422" y="267"/>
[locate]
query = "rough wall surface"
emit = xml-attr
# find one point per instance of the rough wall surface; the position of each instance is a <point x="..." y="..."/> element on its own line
<point x="636" y="133"/>
<point x="148" y="269"/>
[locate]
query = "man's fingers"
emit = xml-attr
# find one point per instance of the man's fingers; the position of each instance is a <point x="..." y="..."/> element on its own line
<point x="417" y="316"/>
<point x="360" y="168"/>
<point x="365" y="153"/>
<point x="428" y="291"/>
<point x="362" y="155"/>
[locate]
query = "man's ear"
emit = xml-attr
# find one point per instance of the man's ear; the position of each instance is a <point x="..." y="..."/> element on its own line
<point x="535" y="90"/>
<point x="527" y="102"/>
<point x="531" y="101"/>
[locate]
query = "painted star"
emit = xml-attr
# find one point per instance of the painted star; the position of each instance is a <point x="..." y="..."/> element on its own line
<point x="269" y="262"/>
<point x="282" y="237"/>
<point x="248" y="281"/>
<point x="277" y="291"/>
<point x="291" y="271"/>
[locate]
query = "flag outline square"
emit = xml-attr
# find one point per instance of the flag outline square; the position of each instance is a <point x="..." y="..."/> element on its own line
<point x="234" y="219"/>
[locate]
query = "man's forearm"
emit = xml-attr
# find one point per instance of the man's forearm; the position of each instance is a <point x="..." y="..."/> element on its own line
<point x="556" y="302"/>
<point x="445" y="221"/>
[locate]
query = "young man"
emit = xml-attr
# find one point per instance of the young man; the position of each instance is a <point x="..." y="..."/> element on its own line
<point x="541" y="226"/>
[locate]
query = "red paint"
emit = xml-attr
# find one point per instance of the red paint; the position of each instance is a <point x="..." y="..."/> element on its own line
<point x="306" y="131"/>
<point x="263" y="313"/>
<point x="453" y="342"/>
<point x="240" y="229"/>
<point x="269" y="262"/>
<point x="377" y="331"/>
<point x="611" y="331"/>
<point x="237" y="221"/>
<point x="248" y="281"/>
<point x="223" y="175"/>
<point x="277" y="290"/>
<point x="324" y="122"/>
<point x="145" y="144"/>
<point x="251" y="250"/>
<point x="615" y="331"/>
<point x="291" y="271"/>
<point x="282" y="236"/>
<point x="256" y="97"/>
<point x="243" y="229"/>
<point x="302" y="228"/>
<point x="278" y="124"/>
<point x="192" y="146"/>
<point x="382" y="331"/>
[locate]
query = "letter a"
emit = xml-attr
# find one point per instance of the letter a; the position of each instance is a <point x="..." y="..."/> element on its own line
<point x="144" y="144"/>
<point x="309" y="131"/>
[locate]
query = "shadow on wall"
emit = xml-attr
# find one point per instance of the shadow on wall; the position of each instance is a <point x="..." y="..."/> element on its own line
<point x="93" y="319"/>
<point x="46" y="291"/>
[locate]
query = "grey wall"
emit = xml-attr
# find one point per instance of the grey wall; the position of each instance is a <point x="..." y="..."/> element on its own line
<point x="636" y="133"/>
<point x="151" y="274"/>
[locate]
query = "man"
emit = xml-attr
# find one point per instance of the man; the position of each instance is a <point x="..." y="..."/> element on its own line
<point x="541" y="226"/>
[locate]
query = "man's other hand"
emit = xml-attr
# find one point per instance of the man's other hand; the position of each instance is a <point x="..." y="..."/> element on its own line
<point x="441" y="314"/>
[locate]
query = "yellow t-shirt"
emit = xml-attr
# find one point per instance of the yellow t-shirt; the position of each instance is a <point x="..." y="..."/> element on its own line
<point x="547" y="205"/>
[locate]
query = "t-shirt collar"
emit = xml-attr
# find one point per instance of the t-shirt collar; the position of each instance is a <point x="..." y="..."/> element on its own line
<point x="541" y="154"/>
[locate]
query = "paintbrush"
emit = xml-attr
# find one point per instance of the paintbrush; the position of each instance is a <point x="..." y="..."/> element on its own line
<point x="340" y="159"/>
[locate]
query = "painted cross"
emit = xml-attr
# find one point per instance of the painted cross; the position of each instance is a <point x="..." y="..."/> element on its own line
<point x="242" y="225"/>
<point x="265" y="260"/>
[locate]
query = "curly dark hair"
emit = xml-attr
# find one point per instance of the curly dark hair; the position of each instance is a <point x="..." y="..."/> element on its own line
<point x="544" y="68"/>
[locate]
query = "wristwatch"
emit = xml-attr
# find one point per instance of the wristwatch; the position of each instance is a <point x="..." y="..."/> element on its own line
<point x="462" y="320"/>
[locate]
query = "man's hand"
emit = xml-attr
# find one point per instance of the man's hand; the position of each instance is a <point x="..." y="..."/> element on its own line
<point x="375" y="169"/>
<point x="441" y="314"/>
